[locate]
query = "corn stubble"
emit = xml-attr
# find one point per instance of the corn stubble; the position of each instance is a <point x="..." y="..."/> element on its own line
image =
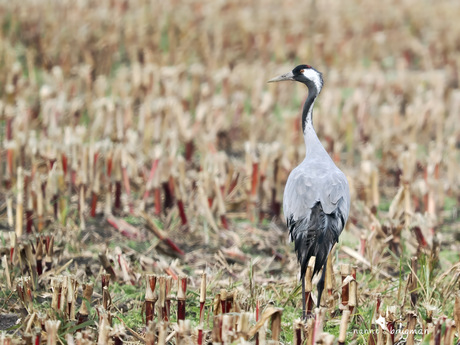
<point x="151" y="123"/>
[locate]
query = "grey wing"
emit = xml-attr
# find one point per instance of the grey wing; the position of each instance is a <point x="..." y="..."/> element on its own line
<point x="305" y="187"/>
<point x="316" y="205"/>
<point x="337" y="195"/>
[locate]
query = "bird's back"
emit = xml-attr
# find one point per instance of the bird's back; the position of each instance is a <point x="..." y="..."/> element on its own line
<point x="316" y="206"/>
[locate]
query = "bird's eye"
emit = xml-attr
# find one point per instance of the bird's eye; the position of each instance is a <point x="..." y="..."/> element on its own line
<point x="302" y="70"/>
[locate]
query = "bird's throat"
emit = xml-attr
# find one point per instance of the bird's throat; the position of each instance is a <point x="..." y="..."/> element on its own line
<point x="307" y="113"/>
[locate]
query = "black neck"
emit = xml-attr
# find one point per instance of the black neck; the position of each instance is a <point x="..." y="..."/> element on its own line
<point x="307" y="115"/>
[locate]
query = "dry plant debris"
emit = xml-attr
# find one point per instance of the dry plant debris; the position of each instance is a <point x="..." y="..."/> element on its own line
<point x="143" y="162"/>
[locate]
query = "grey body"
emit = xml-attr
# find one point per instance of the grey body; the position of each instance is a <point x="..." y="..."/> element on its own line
<point x="316" y="204"/>
<point x="316" y="200"/>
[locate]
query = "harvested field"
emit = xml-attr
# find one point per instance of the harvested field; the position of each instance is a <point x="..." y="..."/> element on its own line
<point x="144" y="156"/>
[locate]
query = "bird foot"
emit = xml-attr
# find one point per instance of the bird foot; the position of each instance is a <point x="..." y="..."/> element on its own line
<point x="309" y="315"/>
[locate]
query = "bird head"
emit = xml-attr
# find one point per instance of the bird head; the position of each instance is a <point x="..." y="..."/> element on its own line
<point x="304" y="74"/>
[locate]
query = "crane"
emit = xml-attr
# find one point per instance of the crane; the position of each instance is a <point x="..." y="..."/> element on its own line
<point x="316" y="200"/>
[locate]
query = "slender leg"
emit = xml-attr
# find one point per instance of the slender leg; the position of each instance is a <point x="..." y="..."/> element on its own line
<point x="320" y="285"/>
<point x="303" y="299"/>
